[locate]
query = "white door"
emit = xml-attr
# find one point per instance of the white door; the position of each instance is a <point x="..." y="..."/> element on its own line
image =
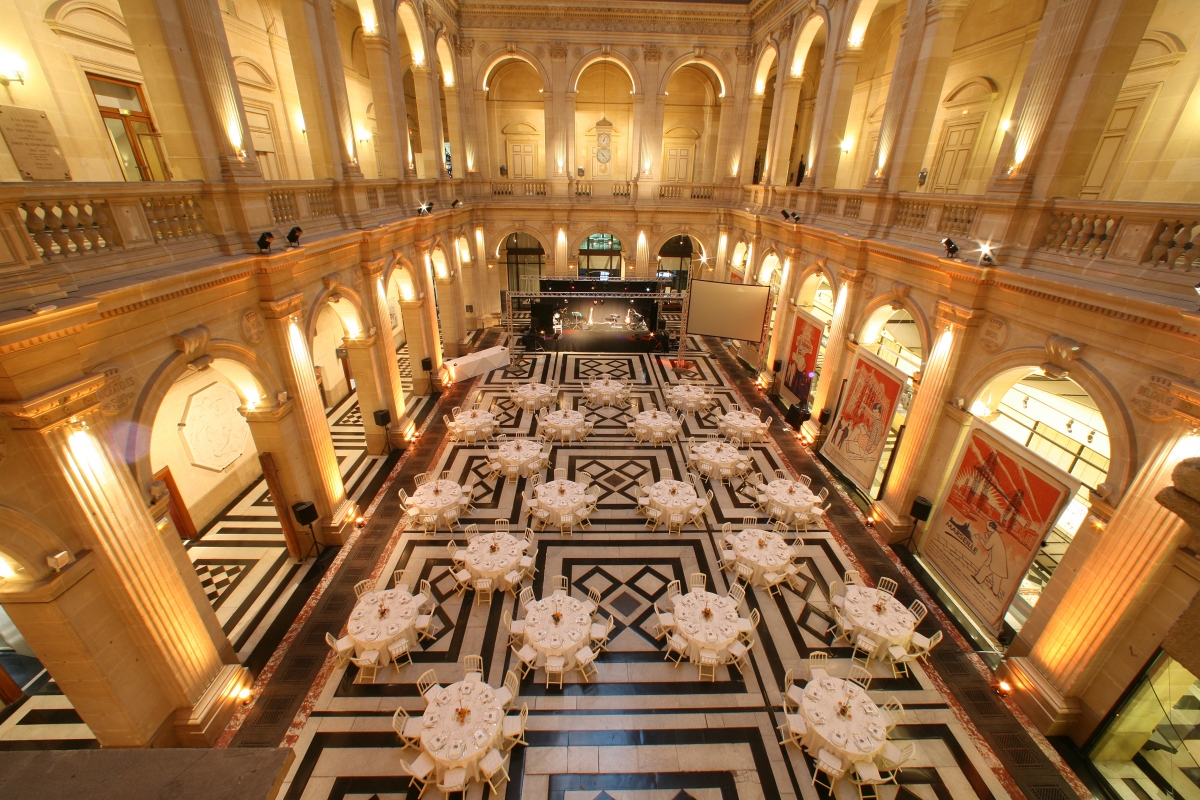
<point x="955" y="156"/>
<point x="521" y="161"/>
<point x="679" y="165"/>
<point x="1113" y="150"/>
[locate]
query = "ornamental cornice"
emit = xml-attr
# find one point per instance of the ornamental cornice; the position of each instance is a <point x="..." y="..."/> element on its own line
<point x="542" y="18"/>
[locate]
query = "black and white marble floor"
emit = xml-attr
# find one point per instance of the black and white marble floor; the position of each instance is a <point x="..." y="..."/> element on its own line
<point x="644" y="730"/>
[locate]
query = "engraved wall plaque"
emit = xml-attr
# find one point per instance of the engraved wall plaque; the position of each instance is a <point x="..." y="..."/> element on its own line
<point x="118" y="391"/>
<point x="252" y="327"/>
<point x="34" y="147"/>
<point x="993" y="334"/>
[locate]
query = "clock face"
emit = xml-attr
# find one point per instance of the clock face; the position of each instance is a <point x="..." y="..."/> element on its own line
<point x="603" y="140"/>
<point x="604" y="155"/>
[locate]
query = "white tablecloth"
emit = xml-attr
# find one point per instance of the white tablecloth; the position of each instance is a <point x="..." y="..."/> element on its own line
<point x="523" y="453"/>
<point x="857" y="737"/>
<point x="893" y="627"/>
<point x="662" y="499"/>
<point x="741" y="424"/>
<point x="605" y="391"/>
<point x="482" y="422"/>
<point x="436" y="496"/>
<point x="568" y="501"/>
<point x="472" y="364"/>
<point x="563" y="638"/>
<point x="792" y="496"/>
<point x="557" y="421"/>
<point x="369" y="631"/>
<point x="453" y="744"/>
<point x="771" y="556"/>
<point x="687" y="398"/>
<point x="483" y="563"/>
<point x="710" y="456"/>
<point x="715" y="633"/>
<point x="656" y="421"/>
<point x="532" y="396"/>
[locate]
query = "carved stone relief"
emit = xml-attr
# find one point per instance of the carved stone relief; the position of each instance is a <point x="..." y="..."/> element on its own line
<point x="214" y="431"/>
<point x="252" y="327"/>
<point x="118" y="391"/>
<point x="993" y="334"/>
<point x="1153" y="399"/>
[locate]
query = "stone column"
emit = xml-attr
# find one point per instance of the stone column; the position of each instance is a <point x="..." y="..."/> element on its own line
<point x="188" y="71"/>
<point x="1075" y="72"/>
<point x="415" y="321"/>
<point x="389" y="112"/>
<point x="928" y="401"/>
<point x="434" y="340"/>
<point x="835" y="110"/>
<point x="1084" y="630"/>
<point x="729" y="127"/>
<point x="458" y="158"/>
<point x="914" y="94"/>
<point x="569" y="133"/>
<point x="642" y="256"/>
<point x="317" y="61"/>
<point x="316" y="444"/>
<point x="391" y="391"/>
<point x="780" y="149"/>
<point x="276" y="430"/>
<point x="429" y="107"/>
<point x="450" y="304"/>
<point x="721" y="267"/>
<point x="783" y="308"/>
<point x="469" y="293"/>
<point x="829" y="383"/>
<point x="369" y="388"/>
<point x="750" y="142"/>
<point x="118" y="629"/>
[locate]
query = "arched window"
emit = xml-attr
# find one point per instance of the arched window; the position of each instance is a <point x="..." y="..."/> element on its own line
<point x="600" y="256"/>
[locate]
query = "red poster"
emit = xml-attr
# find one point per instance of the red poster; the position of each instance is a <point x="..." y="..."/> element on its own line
<point x="802" y="358"/>
<point x="735" y="277"/>
<point x="1000" y="503"/>
<point x="859" y="433"/>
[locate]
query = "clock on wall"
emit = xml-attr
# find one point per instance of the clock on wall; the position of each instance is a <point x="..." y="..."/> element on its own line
<point x="604" y="151"/>
<point x="604" y="155"/>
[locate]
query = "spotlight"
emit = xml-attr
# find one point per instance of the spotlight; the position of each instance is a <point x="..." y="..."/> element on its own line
<point x="1004" y="687"/>
<point x="456" y="203"/>
<point x="951" y="247"/>
<point x="429" y="206"/>
<point x="795" y="217"/>
<point x="785" y="215"/>
<point x="264" y="242"/>
<point x="293" y="236"/>
<point x="985" y="255"/>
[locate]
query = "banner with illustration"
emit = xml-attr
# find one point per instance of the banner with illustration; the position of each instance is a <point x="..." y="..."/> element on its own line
<point x="859" y="432"/>
<point x="802" y="358"/>
<point x="1001" y="502"/>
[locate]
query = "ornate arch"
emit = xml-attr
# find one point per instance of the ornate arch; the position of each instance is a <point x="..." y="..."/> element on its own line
<point x="703" y="60"/>
<point x="818" y="267"/>
<point x="808" y="32"/>
<point x="860" y="19"/>
<point x="174" y="367"/>
<point x="413" y="31"/>
<point x="706" y="246"/>
<point x="516" y="54"/>
<point x="399" y="263"/>
<point x="1123" y="455"/>
<point x="600" y="55"/>
<point x="766" y="59"/>
<point x="29" y="542"/>
<point x="250" y="73"/>
<point x="898" y="297"/>
<point x="333" y="286"/>
<point x="626" y="240"/>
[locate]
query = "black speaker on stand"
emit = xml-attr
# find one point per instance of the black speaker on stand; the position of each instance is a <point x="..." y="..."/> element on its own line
<point x="306" y="514"/>
<point x="921" y="510"/>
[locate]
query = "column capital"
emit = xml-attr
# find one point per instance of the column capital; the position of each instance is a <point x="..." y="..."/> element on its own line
<point x="363" y="342"/>
<point x="282" y="308"/>
<point x="372" y="269"/>
<point x="949" y="314"/>
<point x="54" y="406"/>
<point x="848" y="274"/>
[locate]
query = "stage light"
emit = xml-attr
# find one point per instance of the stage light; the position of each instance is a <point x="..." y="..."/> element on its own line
<point x="455" y="203"/>
<point x="785" y="215"/>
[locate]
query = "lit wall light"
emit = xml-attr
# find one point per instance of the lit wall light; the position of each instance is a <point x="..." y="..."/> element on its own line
<point x="12" y="68"/>
<point x="362" y="134"/>
<point x="856" y="36"/>
<point x="6" y="570"/>
<point x="847" y="144"/>
<point x="979" y="409"/>
<point x="300" y="123"/>
<point x="1005" y="124"/>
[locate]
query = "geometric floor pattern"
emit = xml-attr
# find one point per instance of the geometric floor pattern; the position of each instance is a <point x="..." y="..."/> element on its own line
<point x="645" y="729"/>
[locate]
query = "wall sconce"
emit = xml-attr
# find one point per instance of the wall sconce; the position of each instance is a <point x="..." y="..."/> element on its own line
<point x="12" y="69"/>
<point x="847" y="144"/>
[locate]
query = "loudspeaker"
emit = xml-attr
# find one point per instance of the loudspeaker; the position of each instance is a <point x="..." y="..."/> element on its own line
<point x="383" y="417"/>
<point x="427" y="364"/>
<point x="794" y="417"/>
<point x="826" y="413"/>
<point x="306" y="512"/>
<point x="921" y="509"/>
<point x="778" y="366"/>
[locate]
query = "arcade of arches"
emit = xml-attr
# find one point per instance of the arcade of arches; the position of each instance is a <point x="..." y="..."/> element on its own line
<point x="976" y="223"/>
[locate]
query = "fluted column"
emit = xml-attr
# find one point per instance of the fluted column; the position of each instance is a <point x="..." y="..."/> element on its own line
<point x="783" y="308"/>
<point x="1108" y="593"/>
<point x="835" y="110"/>
<point x="454" y="135"/>
<point x="928" y="401"/>
<point x="721" y="266"/>
<point x="725" y="155"/>
<point x="329" y="492"/>
<point x="485" y="138"/>
<point x="454" y="329"/>
<point x="415" y="323"/>
<point x="367" y="384"/>
<point x="780" y="148"/>
<point x="432" y="326"/>
<point x="828" y="384"/>
<point x="393" y="130"/>
<point x="568" y="107"/>
<point x="750" y="142"/>
<point x="430" y="119"/>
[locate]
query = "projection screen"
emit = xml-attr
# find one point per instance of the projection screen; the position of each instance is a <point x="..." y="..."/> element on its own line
<point x="727" y="310"/>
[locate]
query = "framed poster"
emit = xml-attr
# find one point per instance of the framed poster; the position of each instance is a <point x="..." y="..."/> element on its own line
<point x="855" y="442"/>
<point x="998" y="506"/>
<point x="802" y="358"/>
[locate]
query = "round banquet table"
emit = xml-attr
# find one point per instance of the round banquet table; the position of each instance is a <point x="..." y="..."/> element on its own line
<point x="894" y="626"/>
<point x="761" y="551"/>
<point x="711" y="456"/>
<point x="369" y="631"/>
<point x="522" y="453"/>
<point x="483" y="562"/>
<point x="687" y="398"/>
<point x="532" y="396"/>
<point x="563" y="419"/>
<point x="453" y="744"/>
<point x="437" y="496"/>
<point x="656" y="422"/>
<point x="859" y="736"/>
<point x="570" y="499"/>
<point x="481" y="421"/>
<point x="672" y="497"/>
<point x="563" y="638"/>
<point x="792" y="496"/>
<point x="741" y="424"/>
<point x="715" y="633"/>
<point x="606" y="391"/>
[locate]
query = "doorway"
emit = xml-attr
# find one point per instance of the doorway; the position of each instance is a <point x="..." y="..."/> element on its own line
<point x="135" y="141"/>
